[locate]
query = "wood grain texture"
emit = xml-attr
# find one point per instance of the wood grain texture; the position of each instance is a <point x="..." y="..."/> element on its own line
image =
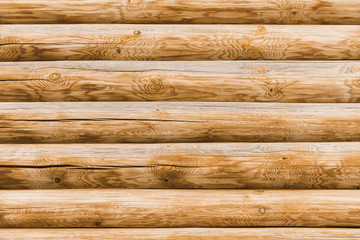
<point x="178" y="42"/>
<point x="204" y="165"/>
<point x="149" y="122"/>
<point x="184" y="234"/>
<point x="178" y="208"/>
<point x="245" y="81"/>
<point x="185" y="11"/>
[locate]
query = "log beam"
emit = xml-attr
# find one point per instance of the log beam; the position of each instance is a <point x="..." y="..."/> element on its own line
<point x="178" y="208"/>
<point x="244" y="81"/>
<point x="201" y="165"/>
<point x="178" y="42"/>
<point x="185" y="11"/>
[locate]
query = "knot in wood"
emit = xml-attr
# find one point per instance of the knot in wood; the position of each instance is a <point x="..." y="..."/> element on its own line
<point x="57" y="180"/>
<point x="156" y="81"/>
<point x="356" y="82"/>
<point x="274" y="92"/>
<point x="151" y="83"/>
<point x="135" y="4"/>
<point x="261" y="30"/>
<point x="262" y="210"/>
<point x="155" y="86"/>
<point x="54" y="76"/>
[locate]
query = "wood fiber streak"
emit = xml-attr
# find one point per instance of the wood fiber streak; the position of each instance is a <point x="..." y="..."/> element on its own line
<point x="245" y="81"/>
<point x="149" y="122"/>
<point x="178" y="42"/>
<point x="179" y="208"/>
<point x="184" y="11"/>
<point x="204" y="165"/>
<point x="185" y="234"/>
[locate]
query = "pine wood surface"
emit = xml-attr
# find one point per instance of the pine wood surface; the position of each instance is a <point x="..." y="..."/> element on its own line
<point x="178" y="42"/>
<point x="178" y="208"/>
<point x="242" y="81"/>
<point x="183" y="233"/>
<point x="184" y="11"/>
<point x="164" y="122"/>
<point x="185" y="165"/>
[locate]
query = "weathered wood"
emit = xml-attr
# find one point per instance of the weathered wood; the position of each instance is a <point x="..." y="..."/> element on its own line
<point x="205" y="165"/>
<point x="185" y="11"/>
<point x="264" y="81"/>
<point x="178" y="42"/>
<point x="139" y="122"/>
<point x="184" y="233"/>
<point x="179" y="208"/>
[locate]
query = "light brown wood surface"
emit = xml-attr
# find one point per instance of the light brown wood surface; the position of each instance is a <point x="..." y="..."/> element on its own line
<point x="184" y="234"/>
<point x="203" y="165"/>
<point x="179" y="208"/>
<point x="149" y="122"/>
<point x="178" y="42"/>
<point x="245" y="81"/>
<point x="192" y="120"/>
<point x="184" y="11"/>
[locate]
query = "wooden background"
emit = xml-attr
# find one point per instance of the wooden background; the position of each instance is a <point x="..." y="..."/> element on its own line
<point x="179" y="120"/>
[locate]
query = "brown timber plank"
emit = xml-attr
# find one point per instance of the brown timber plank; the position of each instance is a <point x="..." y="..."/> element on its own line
<point x="244" y="81"/>
<point x="178" y="208"/>
<point x="179" y="42"/>
<point x="184" y="234"/>
<point x="149" y="122"/>
<point x="202" y="165"/>
<point x="185" y="11"/>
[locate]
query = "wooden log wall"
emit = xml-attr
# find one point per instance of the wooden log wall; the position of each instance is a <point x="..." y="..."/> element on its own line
<point x="168" y="119"/>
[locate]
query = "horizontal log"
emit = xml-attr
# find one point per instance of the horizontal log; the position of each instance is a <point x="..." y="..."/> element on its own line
<point x="244" y="81"/>
<point x="178" y="42"/>
<point x="139" y="122"/>
<point x="178" y="208"/>
<point x="184" y="233"/>
<point x="185" y="11"/>
<point x="204" y="165"/>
